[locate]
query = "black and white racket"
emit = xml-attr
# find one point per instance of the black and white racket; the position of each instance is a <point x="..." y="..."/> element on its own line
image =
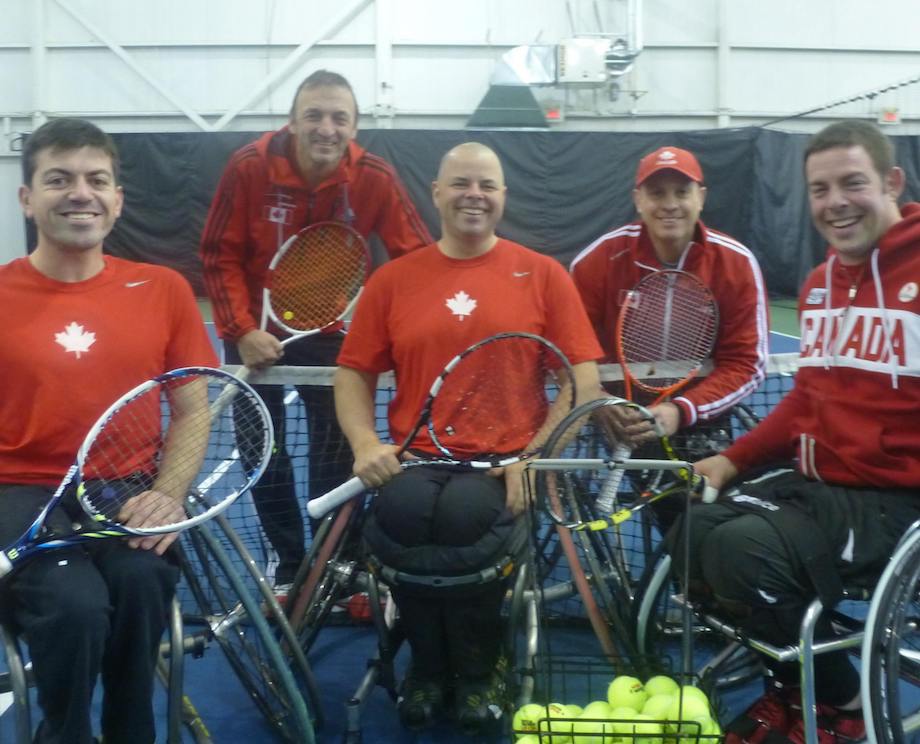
<point x="493" y="405"/>
<point x="314" y="280"/>
<point x="191" y="431"/>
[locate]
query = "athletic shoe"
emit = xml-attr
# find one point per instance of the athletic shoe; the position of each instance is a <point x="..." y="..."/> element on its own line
<point x="481" y="702"/>
<point x="835" y="726"/>
<point x="773" y="714"/>
<point x="420" y="702"/>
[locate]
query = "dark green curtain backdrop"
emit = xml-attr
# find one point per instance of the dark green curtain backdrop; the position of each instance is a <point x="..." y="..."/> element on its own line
<point x="564" y="188"/>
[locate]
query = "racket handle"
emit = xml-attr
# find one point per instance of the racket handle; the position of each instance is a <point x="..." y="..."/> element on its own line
<point x="607" y="497"/>
<point x="331" y="499"/>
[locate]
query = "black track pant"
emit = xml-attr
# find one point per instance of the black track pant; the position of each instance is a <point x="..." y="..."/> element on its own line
<point x="764" y="576"/>
<point x="95" y="609"/>
<point x="451" y="631"/>
<point x="330" y="458"/>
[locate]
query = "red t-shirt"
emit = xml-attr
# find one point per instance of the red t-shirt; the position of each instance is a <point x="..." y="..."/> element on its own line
<point x="69" y="350"/>
<point x="419" y="311"/>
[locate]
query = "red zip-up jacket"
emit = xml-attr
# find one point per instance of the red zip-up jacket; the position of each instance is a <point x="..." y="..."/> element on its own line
<point x="262" y="200"/>
<point x="851" y="418"/>
<point x="614" y="263"/>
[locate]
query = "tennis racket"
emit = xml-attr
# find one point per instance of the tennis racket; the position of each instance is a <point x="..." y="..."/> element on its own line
<point x="488" y="408"/>
<point x="583" y="441"/>
<point x="174" y="434"/>
<point x="665" y="331"/>
<point x="313" y="281"/>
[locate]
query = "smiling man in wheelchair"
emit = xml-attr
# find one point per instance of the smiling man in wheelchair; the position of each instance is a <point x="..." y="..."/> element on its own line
<point x="414" y="315"/>
<point x="778" y="537"/>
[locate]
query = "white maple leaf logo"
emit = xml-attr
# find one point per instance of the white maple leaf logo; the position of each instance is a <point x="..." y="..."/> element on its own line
<point x="461" y="304"/>
<point x="75" y="339"/>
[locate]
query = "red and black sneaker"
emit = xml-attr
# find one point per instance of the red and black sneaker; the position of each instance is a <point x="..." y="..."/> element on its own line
<point x="769" y="719"/>
<point x="835" y="726"/>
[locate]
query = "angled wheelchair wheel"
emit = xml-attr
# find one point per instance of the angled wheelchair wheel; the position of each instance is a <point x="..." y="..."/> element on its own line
<point x="220" y="607"/>
<point x="329" y="573"/>
<point x="891" y="650"/>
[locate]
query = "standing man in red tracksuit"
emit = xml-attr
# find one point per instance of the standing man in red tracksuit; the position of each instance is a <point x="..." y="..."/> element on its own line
<point x="781" y="535"/>
<point x="309" y="171"/>
<point x="669" y="198"/>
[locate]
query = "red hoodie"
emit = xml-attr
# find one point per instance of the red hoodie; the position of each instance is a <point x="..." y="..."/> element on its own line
<point x="852" y="417"/>
<point x="261" y="201"/>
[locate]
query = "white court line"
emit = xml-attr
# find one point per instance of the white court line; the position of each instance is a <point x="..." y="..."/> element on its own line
<point x="6" y="700"/>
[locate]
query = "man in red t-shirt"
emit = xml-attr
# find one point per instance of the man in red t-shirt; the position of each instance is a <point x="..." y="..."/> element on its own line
<point x="414" y="315"/>
<point x="311" y="170"/>
<point x="80" y="329"/>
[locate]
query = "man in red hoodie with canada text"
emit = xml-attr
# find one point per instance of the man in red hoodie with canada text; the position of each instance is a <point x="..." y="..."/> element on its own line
<point x="820" y="492"/>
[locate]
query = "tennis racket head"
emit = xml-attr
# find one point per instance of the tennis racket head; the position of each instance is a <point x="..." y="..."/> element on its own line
<point x="168" y="435"/>
<point x="315" y="278"/>
<point x="495" y="399"/>
<point x="578" y="492"/>
<point x="666" y="330"/>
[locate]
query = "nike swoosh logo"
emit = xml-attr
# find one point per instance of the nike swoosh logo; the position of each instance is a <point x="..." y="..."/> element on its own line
<point x="520" y="273"/>
<point x="136" y="284"/>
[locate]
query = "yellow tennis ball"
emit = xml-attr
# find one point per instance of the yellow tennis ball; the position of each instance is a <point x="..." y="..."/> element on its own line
<point x="596" y="709"/>
<point x="657" y="706"/>
<point x="646" y="731"/>
<point x="683" y="714"/>
<point x="528" y="739"/>
<point x="573" y="711"/>
<point x="661" y="685"/>
<point x="586" y="731"/>
<point x="626" y="692"/>
<point x="288" y="314"/>
<point x="527" y="717"/>
<point x="561" y="730"/>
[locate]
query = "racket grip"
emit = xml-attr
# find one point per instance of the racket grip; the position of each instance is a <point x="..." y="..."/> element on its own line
<point x="607" y="497"/>
<point x="331" y="499"/>
<point x="709" y="493"/>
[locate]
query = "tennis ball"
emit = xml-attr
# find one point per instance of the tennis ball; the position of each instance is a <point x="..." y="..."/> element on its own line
<point x="646" y="731"/>
<point x="561" y="730"/>
<point x="657" y="706"/>
<point x="661" y="685"/>
<point x="288" y="314"/>
<point x="527" y="718"/>
<point x="713" y="729"/>
<point x="573" y="711"/>
<point x="626" y="692"/>
<point x="684" y="713"/>
<point x="689" y="691"/>
<point x="586" y="731"/>
<point x="596" y="709"/>
<point x="622" y="714"/>
<point x="528" y="739"/>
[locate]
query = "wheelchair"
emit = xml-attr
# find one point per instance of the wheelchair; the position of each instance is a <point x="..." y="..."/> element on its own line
<point x="180" y="711"/>
<point x="340" y="565"/>
<point x="878" y="619"/>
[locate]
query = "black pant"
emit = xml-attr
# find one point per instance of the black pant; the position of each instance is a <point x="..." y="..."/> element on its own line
<point x="330" y="458"/>
<point x="760" y="574"/>
<point x="97" y="608"/>
<point x="451" y="631"/>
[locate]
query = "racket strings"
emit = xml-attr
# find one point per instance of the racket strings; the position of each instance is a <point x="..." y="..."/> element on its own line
<point x="318" y="276"/>
<point x="669" y="327"/>
<point x="167" y="439"/>
<point x="495" y="400"/>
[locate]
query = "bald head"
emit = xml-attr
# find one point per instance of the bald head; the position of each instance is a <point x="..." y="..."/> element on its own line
<point x="469" y="153"/>
<point x="470" y="195"/>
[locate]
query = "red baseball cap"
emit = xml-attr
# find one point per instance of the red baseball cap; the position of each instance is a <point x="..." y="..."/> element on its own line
<point x="669" y="158"/>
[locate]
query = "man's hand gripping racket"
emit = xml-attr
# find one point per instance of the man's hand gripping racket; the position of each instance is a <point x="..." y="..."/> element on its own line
<point x="169" y="438"/>
<point x="666" y="329"/>
<point x="313" y="281"/>
<point x="650" y="479"/>
<point x="492" y="406"/>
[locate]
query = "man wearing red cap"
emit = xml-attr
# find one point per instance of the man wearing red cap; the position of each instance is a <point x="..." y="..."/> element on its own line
<point x="669" y="197"/>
